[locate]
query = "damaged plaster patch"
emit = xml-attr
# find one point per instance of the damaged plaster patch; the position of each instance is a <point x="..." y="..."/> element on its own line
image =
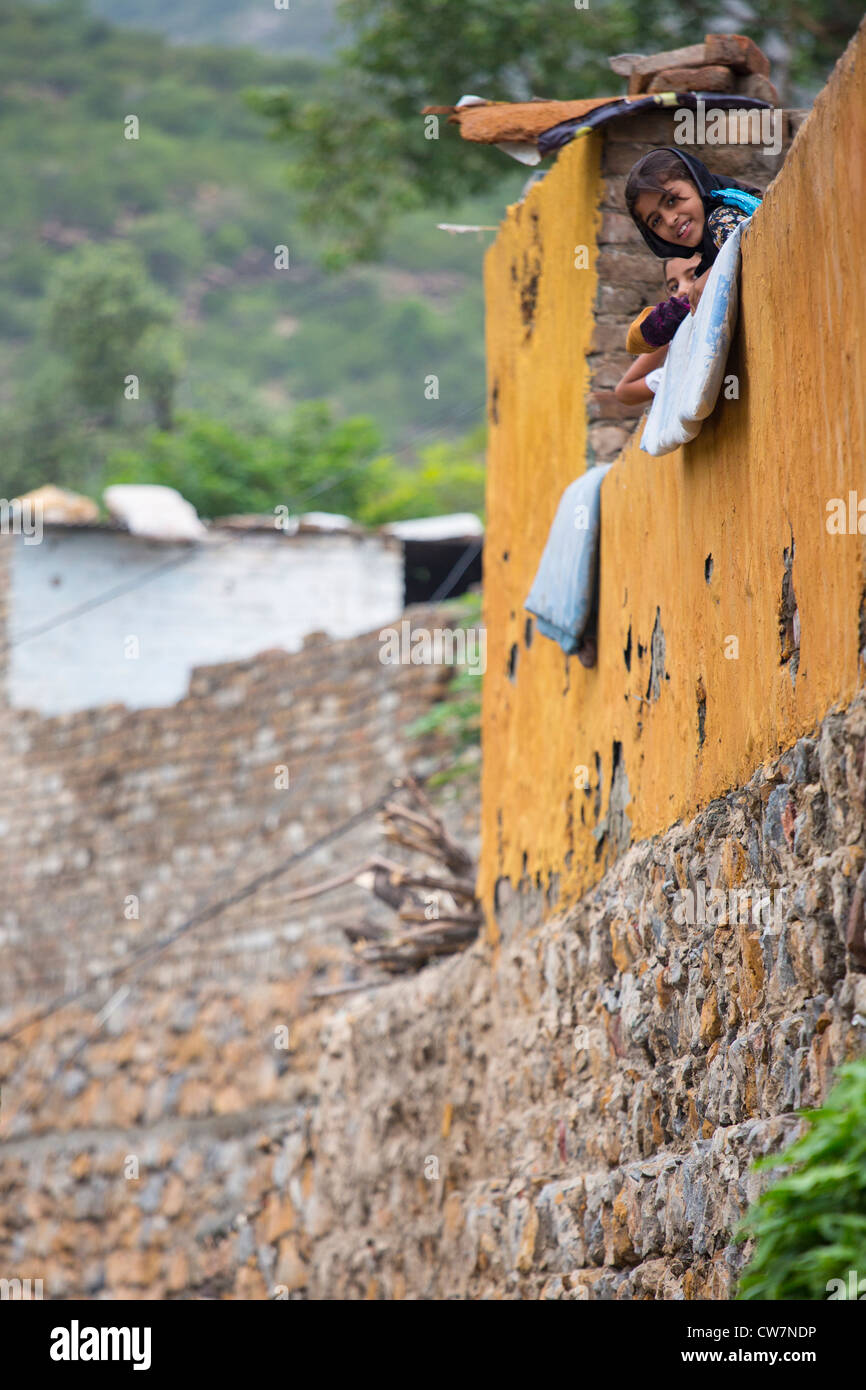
<point x="701" y="695"/>
<point x="530" y="279"/>
<point x="552" y="891"/>
<point x="615" y="830"/>
<point x="789" y="617"/>
<point x="657" y="659"/>
<point x="529" y="296"/>
<point x="618" y="823"/>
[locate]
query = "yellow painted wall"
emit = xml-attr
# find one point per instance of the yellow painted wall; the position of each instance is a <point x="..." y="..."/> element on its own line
<point x="762" y="469"/>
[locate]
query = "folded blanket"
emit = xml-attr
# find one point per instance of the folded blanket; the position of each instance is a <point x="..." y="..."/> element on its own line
<point x="563" y="596"/>
<point x="696" y="360"/>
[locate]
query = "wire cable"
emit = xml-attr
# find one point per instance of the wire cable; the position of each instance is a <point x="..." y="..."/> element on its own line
<point x="458" y="570"/>
<point x="87" y="605"/>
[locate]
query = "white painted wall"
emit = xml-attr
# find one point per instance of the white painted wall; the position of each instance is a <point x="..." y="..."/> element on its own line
<point x="236" y="596"/>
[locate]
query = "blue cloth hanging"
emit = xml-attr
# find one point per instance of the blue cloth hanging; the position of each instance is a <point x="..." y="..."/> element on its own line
<point x="563" y="594"/>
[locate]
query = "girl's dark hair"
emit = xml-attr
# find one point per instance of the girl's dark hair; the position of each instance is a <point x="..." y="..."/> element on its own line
<point x="652" y="173"/>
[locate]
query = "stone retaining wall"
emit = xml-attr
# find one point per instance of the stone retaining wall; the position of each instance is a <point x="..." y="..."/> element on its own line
<point x="573" y="1112"/>
<point x="153" y="1129"/>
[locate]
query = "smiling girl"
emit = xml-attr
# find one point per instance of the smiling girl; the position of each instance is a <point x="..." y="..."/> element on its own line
<point x="680" y="208"/>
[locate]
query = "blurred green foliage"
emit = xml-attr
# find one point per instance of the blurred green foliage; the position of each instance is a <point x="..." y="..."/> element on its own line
<point x="314" y="464"/>
<point x="156" y="257"/>
<point x="810" y="1224"/>
<point x="399" y="56"/>
<point x="228" y="347"/>
<point x="103" y="317"/>
<point x="302" y="26"/>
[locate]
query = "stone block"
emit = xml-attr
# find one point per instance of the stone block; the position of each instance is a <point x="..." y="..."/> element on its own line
<point x="737" y="52"/>
<point x="698" y="79"/>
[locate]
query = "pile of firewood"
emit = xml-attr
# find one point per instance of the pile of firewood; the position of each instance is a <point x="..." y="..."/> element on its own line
<point x="722" y="63"/>
<point x="436" y="910"/>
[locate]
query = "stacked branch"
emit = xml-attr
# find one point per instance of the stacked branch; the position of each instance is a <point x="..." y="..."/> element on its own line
<point x="436" y="910"/>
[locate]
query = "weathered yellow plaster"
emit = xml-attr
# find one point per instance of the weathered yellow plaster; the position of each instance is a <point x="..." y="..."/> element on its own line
<point x="762" y="470"/>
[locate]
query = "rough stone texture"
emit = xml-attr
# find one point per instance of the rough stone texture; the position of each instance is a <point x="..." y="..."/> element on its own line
<point x="594" y="1089"/>
<point x="139" y="1121"/>
<point x="705" y="79"/>
<point x="116" y="825"/>
<point x="570" y="1114"/>
<point x="569" y="1109"/>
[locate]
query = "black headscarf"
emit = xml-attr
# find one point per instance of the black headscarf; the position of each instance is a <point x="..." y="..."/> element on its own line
<point x="706" y="183"/>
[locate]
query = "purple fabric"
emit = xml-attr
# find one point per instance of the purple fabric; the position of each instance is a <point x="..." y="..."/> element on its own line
<point x="660" y="326"/>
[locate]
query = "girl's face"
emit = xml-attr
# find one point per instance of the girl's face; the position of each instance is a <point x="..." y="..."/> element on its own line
<point x="680" y="274"/>
<point x="675" y="215"/>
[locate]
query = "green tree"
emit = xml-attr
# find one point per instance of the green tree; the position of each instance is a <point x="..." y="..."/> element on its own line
<point x="44" y="440"/>
<point x="360" y="153"/>
<point x="100" y="306"/>
<point x="160" y="358"/>
<point x="313" y="463"/>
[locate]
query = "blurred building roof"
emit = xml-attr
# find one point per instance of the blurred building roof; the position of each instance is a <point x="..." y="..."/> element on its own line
<point x="457" y="526"/>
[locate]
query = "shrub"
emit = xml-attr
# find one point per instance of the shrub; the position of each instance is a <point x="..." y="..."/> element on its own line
<point x="810" y="1225"/>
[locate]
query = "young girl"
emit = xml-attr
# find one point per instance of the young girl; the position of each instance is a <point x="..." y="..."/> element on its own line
<point x="653" y="329"/>
<point x="676" y="203"/>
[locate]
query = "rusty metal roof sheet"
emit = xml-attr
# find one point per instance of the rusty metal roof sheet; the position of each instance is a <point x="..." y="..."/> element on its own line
<point x="493" y="121"/>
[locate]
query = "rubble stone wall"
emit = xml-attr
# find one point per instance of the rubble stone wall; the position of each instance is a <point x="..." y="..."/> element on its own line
<point x="143" y="1118"/>
<point x="570" y="1108"/>
<point x="573" y="1112"/>
<point x="116" y="825"/>
<point x="570" y="1113"/>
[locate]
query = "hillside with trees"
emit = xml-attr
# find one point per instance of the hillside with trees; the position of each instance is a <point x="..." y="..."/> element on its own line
<point x="155" y="257"/>
<point x="246" y="295"/>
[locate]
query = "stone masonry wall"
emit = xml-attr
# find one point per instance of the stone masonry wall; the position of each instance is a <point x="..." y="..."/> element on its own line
<point x="570" y="1108"/>
<point x="116" y="825"/>
<point x="140" y="1119"/>
<point x="573" y="1113"/>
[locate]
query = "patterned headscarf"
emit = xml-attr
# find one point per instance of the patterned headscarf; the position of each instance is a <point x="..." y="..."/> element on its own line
<point x="709" y="186"/>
